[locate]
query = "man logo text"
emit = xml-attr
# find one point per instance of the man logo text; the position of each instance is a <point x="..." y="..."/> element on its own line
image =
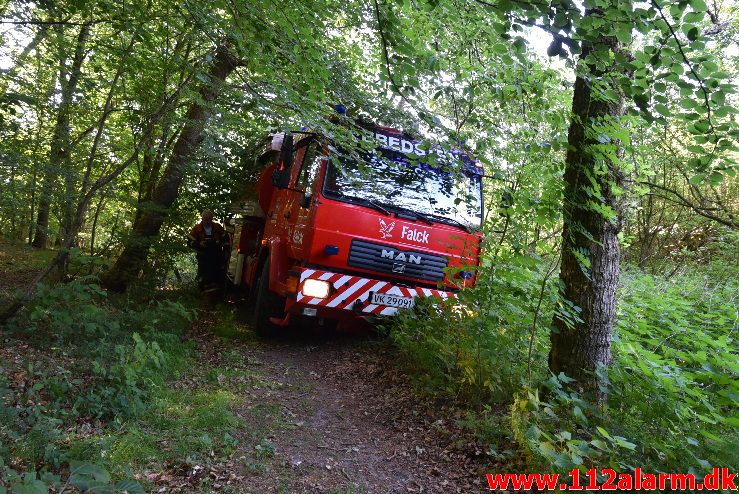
<point x="400" y="256"/>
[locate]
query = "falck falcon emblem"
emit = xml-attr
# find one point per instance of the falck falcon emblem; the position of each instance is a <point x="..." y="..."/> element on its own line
<point x="385" y="229"/>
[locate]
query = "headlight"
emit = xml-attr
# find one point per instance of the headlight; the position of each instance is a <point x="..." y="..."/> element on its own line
<point x="316" y="288"/>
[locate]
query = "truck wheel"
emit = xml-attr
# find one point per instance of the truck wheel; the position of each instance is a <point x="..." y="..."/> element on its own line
<point x="268" y="304"/>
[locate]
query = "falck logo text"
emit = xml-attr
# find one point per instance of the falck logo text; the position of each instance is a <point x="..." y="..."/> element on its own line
<point x="385" y="229"/>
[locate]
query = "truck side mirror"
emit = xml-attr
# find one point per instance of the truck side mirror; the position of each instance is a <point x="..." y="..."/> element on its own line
<point x="305" y="200"/>
<point x="281" y="176"/>
<point x="286" y="152"/>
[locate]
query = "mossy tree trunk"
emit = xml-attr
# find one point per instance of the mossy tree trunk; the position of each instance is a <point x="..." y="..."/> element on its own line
<point x="581" y="339"/>
<point x="153" y="213"/>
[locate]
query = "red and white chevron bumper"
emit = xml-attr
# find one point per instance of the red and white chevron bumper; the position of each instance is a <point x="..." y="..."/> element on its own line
<point x="347" y="290"/>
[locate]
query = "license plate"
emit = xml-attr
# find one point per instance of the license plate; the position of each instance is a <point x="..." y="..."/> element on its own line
<point x="392" y="300"/>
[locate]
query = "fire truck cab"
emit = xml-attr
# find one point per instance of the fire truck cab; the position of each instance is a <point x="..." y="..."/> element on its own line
<point x="337" y="236"/>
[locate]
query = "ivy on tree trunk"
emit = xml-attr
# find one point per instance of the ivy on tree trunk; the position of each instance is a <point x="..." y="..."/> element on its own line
<point x="581" y="338"/>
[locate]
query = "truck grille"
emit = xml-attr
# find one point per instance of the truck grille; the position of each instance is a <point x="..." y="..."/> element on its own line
<point x="388" y="259"/>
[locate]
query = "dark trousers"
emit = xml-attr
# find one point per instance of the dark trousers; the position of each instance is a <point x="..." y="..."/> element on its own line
<point x="210" y="267"/>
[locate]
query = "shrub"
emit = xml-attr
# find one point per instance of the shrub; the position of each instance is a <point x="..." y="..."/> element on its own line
<point x="83" y="477"/>
<point x="674" y="386"/>
<point x="477" y="348"/>
<point x="71" y="312"/>
<point x="91" y="358"/>
<point x="121" y="383"/>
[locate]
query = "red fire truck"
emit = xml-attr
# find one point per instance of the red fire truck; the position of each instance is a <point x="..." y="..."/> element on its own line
<point x="335" y="235"/>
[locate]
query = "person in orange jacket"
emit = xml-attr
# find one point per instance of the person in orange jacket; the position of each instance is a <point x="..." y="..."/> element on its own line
<point x="211" y="242"/>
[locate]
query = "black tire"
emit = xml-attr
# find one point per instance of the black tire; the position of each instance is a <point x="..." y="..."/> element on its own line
<point x="268" y="305"/>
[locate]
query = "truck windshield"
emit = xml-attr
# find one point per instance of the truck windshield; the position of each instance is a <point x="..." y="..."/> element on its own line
<point x="392" y="181"/>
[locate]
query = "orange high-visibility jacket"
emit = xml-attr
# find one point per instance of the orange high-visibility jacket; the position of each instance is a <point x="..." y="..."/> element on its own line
<point x="197" y="235"/>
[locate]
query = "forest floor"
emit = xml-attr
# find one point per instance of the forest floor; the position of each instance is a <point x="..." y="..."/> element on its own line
<point x="332" y="415"/>
<point x="303" y="413"/>
<point x="19" y="263"/>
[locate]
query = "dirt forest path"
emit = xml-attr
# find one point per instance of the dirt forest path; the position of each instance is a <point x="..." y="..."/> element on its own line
<point x="337" y="415"/>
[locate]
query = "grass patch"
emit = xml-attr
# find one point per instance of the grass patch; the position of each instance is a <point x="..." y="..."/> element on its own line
<point x="133" y="448"/>
<point x="190" y="423"/>
<point x="181" y="426"/>
<point x="17" y="256"/>
<point x="228" y="326"/>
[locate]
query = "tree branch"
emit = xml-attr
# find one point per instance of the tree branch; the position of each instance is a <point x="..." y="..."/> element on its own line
<point x="700" y="210"/>
<point x="569" y="42"/>
<point x="687" y="62"/>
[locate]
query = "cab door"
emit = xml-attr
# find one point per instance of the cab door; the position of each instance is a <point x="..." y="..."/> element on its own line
<point x="309" y="160"/>
<point x="280" y="216"/>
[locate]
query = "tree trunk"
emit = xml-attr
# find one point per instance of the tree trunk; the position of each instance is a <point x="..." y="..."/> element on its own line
<point x="14" y="198"/>
<point x="95" y="218"/>
<point x="32" y="205"/>
<point x="60" y="153"/>
<point x="41" y="235"/>
<point x="68" y="203"/>
<point x="149" y="173"/>
<point x="149" y="222"/>
<point x="581" y="341"/>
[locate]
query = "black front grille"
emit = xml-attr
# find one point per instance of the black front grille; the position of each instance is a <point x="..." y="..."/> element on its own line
<point x="388" y="259"/>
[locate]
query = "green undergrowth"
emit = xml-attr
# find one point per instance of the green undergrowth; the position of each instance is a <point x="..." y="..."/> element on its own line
<point x="98" y="388"/>
<point x="672" y="390"/>
<point x="178" y="428"/>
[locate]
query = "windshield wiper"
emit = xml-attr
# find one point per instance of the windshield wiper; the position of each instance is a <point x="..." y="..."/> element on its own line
<point x="425" y="218"/>
<point x="361" y="201"/>
<point x="378" y="207"/>
<point x="444" y="219"/>
<point x="416" y="215"/>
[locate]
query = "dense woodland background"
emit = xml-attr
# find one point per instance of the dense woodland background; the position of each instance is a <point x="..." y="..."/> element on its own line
<point x="612" y="203"/>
